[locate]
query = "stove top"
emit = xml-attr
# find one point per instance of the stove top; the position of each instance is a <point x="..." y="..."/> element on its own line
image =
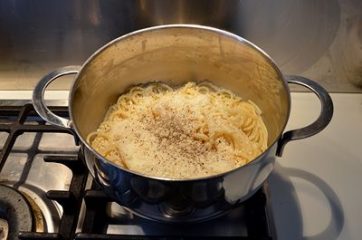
<point x="46" y="192"/>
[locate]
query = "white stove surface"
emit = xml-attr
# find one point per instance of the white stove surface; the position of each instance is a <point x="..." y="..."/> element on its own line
<point x="315" y="188"/>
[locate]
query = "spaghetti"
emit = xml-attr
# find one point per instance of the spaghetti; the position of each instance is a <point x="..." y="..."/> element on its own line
<point x="193" y="131"/>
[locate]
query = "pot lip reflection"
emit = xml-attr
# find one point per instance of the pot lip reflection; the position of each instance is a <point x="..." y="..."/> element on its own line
<point x="235" y="37"/>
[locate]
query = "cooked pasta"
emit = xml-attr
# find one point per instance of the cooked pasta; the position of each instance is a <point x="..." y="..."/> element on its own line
<point x="193" y="131"/>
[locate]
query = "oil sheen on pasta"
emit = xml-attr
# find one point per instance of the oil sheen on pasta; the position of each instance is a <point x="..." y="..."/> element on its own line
<point x="193" y="131"/>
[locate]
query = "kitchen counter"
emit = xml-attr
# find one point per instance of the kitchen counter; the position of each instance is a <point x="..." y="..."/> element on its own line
<point x="315" y="188"/>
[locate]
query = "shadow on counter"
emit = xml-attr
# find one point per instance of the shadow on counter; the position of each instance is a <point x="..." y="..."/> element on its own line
<point x="283" y="193"/>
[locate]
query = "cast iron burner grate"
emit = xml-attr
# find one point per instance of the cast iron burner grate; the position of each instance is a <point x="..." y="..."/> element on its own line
<point x="13" y="120"/>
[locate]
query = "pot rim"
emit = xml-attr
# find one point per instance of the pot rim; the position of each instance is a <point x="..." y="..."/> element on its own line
<point x="194" y="26"/>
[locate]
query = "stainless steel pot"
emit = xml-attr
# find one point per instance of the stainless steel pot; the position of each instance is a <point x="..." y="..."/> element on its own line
<point x="176" y="54"/>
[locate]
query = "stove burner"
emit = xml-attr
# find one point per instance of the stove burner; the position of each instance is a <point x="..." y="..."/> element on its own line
<point x="37" y="214"/>
<point x="14" y="209"/>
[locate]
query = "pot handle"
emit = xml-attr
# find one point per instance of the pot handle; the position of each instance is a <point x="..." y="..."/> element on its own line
<point x="38" y="96"/>
<point x="323" y="120"/>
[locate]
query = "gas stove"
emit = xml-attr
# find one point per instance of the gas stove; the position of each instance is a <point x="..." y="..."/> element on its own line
<point x="46" y="192"/>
